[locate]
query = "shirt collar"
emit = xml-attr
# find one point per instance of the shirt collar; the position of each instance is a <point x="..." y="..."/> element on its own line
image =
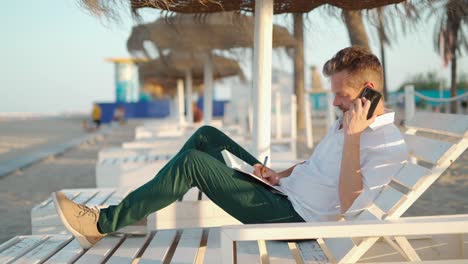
<point x="381" y="120"/>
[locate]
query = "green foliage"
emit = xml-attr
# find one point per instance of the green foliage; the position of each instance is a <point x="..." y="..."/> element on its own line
<point x="424" y="81"/>
<point x="462" y="82"/>
<point x="430" y="81"/>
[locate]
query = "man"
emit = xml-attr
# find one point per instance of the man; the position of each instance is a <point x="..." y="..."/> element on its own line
<point x="342" y="177"/>
<point x="97" y="114"/>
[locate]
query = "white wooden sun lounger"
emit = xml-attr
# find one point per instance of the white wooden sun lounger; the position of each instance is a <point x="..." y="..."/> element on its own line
<point x="171" y="129"/>
<point x="135" y="170"/>
<point x="131" y="171"/>
<point x="172" y="144"/>
<point x="119" y="152"/>
<point x="434" y="141"/>
<point x="139" y="161"/>
<point x="348" y="241"/>
<point x="214" y="245"/>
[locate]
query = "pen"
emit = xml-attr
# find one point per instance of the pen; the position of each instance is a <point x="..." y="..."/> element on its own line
<point x="264" y="164"/>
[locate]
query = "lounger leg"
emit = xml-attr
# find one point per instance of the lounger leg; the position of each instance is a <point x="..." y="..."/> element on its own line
<point x="462" y="246"/>
<point x="407" y="248"/>
<point x="396" y="247"/>
<point x="228" y="249"/>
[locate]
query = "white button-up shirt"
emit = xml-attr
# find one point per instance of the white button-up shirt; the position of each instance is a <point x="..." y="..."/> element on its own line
<point x="313" y="185"/>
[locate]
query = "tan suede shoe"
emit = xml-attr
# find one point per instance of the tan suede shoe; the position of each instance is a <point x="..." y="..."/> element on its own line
<point x="79" y="219"/>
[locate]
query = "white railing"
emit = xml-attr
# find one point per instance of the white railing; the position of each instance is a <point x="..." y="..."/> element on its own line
<point x="410" y="105"/>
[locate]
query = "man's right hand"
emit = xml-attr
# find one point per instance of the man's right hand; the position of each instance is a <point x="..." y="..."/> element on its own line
<point x="267" y="174"/>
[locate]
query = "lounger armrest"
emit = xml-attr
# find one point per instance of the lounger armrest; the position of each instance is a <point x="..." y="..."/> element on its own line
<point x="431" y="225"/>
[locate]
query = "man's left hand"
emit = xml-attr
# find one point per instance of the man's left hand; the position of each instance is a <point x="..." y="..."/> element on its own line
<point x="355" y="119"/>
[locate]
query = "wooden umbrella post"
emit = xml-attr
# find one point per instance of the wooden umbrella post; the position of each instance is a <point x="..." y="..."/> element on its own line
<point x="279" y="124"/>
<point x="180" y="102"/>
<point x="188" y="88"/>
<point x="262" y="77"/>
<point x="208" y="90"/>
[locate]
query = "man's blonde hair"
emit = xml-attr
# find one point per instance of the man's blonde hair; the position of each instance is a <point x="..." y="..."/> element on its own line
<point x="360" y="63"/>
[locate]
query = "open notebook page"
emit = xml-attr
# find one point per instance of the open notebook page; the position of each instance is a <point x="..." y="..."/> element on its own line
<point x="237" y="164"/>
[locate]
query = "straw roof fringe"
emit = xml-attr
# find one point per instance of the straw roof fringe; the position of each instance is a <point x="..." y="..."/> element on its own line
<point x="280" y="6"/>
<point x="210" y="6"/>
<point x="136" y="40"/>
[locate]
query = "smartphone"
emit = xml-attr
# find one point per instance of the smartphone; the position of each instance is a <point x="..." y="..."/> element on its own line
<point x="373" y="96"/>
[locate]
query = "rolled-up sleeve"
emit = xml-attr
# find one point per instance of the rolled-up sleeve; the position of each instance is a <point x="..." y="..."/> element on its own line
<point x="378" y="166"/>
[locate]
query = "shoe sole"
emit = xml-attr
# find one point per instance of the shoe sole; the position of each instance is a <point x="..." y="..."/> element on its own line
<point x="84" y="243"/>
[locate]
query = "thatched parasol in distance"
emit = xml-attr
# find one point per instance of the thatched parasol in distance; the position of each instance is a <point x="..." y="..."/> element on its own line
<point x="168" y="72"/>
<point x="173" y="68"/>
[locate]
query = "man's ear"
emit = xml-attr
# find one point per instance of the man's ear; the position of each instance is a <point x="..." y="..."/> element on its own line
<point x="371" y="84"/>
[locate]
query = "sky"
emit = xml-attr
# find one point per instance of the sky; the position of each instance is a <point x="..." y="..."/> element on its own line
<point x="52" y="54"/>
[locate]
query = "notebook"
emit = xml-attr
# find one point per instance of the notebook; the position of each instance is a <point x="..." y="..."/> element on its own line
<point x="237" y="164"/>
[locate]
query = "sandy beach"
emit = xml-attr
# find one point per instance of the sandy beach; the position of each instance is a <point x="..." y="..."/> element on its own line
<point x="22" y="190"/>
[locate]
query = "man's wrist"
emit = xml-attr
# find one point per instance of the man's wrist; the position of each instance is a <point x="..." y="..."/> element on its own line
<point x="352" y="137"/>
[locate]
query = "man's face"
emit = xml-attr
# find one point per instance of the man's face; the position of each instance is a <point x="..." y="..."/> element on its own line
<point x="344" y="94"/>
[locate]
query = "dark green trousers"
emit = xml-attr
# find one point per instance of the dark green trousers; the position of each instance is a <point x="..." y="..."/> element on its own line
<point x="200" y="164"/>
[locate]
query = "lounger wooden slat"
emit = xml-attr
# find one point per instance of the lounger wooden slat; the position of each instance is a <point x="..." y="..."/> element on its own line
<point x="411" y="175"/>
<point x="311" y="252"/>
<point x="279" y="253"/>
<point x="445" y="124"/>
<point x="72" y="194"/>
<point x="339" y="247"/>
<point x="100" y="197"/>
<point x="248" y="252"/>
<point x="19" y="247"/>
<point x="213" y="247"/>
<point x="99" y="252"/>
<point x="188" y="246"/>
<point x="427" y="149"/>
<point x="128" y="250"/>
<point x="117" y="196"/>
<point x="389" y="198"/>
<point x="44" y="250"/>
<point x="67" y="254"/>
<point x="159" y="247"/>
<point x="85" y="196"/>
<point x="9" y="243"/>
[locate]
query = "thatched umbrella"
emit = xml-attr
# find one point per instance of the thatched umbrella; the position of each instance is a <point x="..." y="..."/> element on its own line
<point x="264" y="10"/>
<point x="173" y="67"/>
<point x="201" y="34"/>
<point x="169" y="72"/>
